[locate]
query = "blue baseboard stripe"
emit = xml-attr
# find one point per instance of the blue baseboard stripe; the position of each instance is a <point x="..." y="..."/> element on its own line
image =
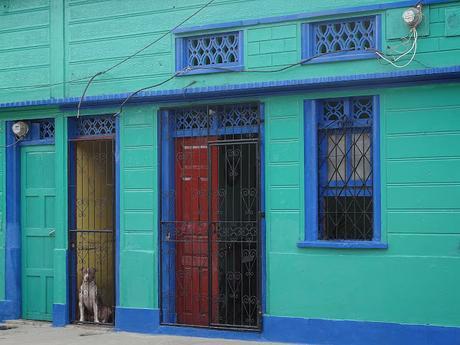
<point x="299" y="330"/>
<point x="137" y="320"/>
<point x="336" y="332"/>
<point x="60" y="315"/>
<point x="7" y="311"/>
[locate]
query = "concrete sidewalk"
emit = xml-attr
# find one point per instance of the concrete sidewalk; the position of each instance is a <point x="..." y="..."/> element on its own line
<point x="42" y="333"/>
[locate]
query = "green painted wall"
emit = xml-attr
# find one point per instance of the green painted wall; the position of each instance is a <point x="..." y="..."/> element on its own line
<point x="417" y="279"/>
<point x="138" y="208"/>
<point x="46" y="42"/>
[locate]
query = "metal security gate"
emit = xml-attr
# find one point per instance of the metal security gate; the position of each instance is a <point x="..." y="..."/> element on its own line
<point x="210" y="216"/>
<point x="92" y="220"/>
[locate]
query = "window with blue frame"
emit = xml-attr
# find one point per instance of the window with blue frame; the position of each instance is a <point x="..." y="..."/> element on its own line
<point x="218" y="52"/>
<point x="342" y="171"/>
<point x="343" y="39"/>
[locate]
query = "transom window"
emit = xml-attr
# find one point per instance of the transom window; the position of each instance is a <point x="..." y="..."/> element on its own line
<point x="341" y="39"/>
<point x="201" y="53"/>
<point x="341" y="153"/>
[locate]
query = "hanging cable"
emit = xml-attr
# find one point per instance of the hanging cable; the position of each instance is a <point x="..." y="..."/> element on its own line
<point x="12" y="144"/>
<point x="138" y="52"/>
<point x="412" y="49"/>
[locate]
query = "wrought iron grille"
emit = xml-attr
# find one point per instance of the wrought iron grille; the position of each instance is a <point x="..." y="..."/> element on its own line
<point x="220" y="119"/>
<point x="41" y="129"/>
<point x="91" y="227"/>
<point x="345" y="169"/>
<point x="213" y="50"/>
<point x="357" y="34"/>
<point x="95" y="126"/>
<point x="210" y="210"/>
<point x="47" y="129"/>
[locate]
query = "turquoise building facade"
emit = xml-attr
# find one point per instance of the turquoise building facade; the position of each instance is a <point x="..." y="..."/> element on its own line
<point x="348" y="167"/>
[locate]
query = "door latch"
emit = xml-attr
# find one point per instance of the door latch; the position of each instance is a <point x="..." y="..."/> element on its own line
<point x="52" y="233"/>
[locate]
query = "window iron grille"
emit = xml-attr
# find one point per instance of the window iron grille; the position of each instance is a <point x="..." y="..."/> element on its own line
<point x="345" y="35"/>
<point x="345" y="169"/>
<point x="213" y="50"/>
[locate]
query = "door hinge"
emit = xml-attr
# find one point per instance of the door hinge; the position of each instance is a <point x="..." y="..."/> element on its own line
<point x="261" y="215"/>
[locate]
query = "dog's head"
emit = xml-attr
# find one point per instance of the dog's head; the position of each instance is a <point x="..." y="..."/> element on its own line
<point x="88" y="274"/>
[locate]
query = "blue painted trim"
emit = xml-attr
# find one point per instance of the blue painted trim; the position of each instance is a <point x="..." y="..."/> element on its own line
<point x="117" y="209"/>
<point x="306" y="16"/>
<point x="210" y="333"/>
<point x="262" y="220"/>
<point x="312" y="229"/>
<point x="182" y="58"/>
<point x="72" y="224"/>
<point x="13" y="289"/>
<point x="310" y="170"/>
<point x="299" y="330"/>
<point x="137" y="320"/>
<point x="338" y="332"/>
<point x="384" y="79"/>
<point x="342" y="244"/>
<point x="308" y="40"/>
<point x="36" y="142"/>
<point x="167" y="181"/>
<point x="60" y="315"/>
<point x="376" y="183"/>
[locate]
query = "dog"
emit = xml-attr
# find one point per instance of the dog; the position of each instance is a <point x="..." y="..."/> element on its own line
<point x="90" y="300"/>
<point x="88" y="297"/>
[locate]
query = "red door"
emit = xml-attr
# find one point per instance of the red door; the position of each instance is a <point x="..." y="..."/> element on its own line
<point x="192" y="247"/>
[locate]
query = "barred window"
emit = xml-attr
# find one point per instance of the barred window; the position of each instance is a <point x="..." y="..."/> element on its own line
<point x="345" y="169"/>
<point x="201" y="53"/>
<point x="342" y="176"/>
<point x="341" y="39"/>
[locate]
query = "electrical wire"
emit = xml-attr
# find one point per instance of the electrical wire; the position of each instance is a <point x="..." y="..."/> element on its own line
<point x="138" y="52"/>
<point x="393" y="61"/>
<point x="12" y="144"/>
<point x="143" y="89"/>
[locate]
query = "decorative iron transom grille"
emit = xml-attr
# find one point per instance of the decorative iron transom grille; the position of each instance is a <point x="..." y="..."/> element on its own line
<point x="95" y="126"/>
<point x="42" y="129"/>
<point x="213" y="50"/>
<point x="220" y="119"/>
<point x="357" y="34"/>
<point x="345" y="169"/>
<point x="46" y="129"/>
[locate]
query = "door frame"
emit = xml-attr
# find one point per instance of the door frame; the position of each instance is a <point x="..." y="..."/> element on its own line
<point x="13" y="230"/>
<point x="71" y="137"/>
<point x="166" y="180"/>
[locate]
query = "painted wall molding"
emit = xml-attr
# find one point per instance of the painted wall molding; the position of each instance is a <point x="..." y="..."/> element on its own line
<point x="385" y="79"/>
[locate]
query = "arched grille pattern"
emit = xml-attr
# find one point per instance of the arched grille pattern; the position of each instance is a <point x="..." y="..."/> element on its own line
<point x="213" y="50"/>
<point x="356" y="34"/>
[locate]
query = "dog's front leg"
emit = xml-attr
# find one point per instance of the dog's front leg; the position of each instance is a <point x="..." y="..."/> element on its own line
<point x="82" y="311"/>
<point x="95" y="311"/>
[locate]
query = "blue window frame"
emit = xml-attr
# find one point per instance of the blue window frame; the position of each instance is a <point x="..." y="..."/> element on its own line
<point x="41" y="132"/>
<point x="220" y="52"/>
<point x="342" y="39"/>
<point x="342" y="177"/>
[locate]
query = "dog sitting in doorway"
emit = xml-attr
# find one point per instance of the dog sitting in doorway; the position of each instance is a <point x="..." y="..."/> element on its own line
<point x="90" y="301"/>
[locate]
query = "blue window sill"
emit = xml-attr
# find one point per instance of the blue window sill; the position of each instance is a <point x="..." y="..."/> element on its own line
<point x="343" y="244"/>
<point x="347" y="56"/>
<point x="213" y="69"/>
